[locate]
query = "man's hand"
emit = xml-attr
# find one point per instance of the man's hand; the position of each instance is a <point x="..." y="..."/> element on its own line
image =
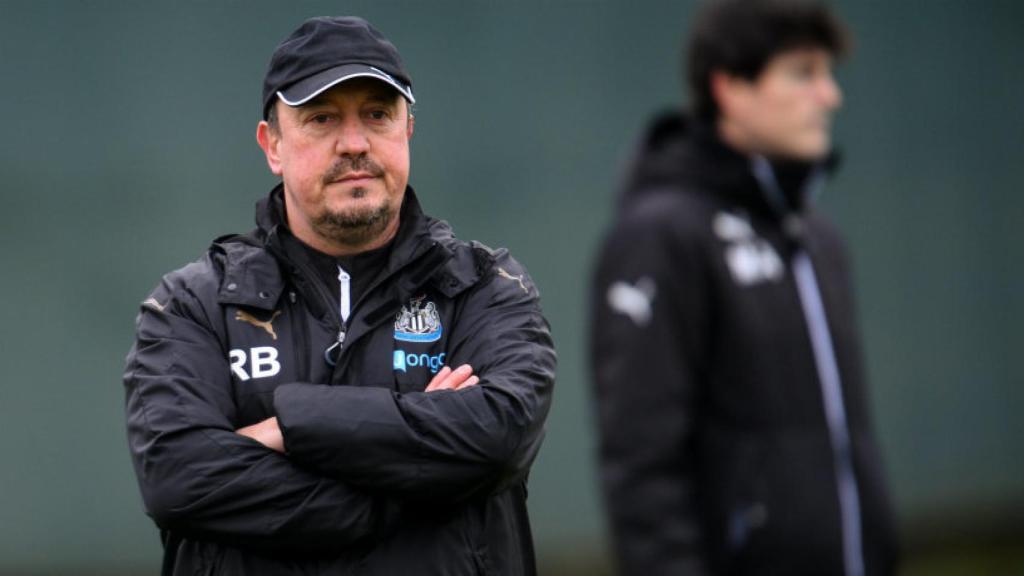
<point x="267" y="433"/>
<point x="448" y="379"/>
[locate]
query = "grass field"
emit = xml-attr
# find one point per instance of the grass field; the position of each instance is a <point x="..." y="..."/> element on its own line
<point x="1003" y="559"/>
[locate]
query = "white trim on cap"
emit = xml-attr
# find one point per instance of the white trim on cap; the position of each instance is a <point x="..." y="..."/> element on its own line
<point x="380" y="76"/>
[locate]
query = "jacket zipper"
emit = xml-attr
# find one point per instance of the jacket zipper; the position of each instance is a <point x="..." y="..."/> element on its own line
<point x="336" y="322"/>
<point x="344" y="310"/>
<point x="835" y="411"/>
<point x="809" y="295"/>
<point x="333" y="352"/>
<point x="299" y="311"/>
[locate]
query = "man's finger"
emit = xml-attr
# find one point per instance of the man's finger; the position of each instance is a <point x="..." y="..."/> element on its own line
<point x="471" y="381"/>
<point x="442" y="381"/>
<point x="462" y="372"/>
<point x="438" y="379"/>
<point x="267" y="432"/>
<point x="452" y="380"/>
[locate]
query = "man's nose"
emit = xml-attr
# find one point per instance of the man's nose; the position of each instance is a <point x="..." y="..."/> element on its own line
<point x="829" y="92"/>
<point x="352" y="138"/>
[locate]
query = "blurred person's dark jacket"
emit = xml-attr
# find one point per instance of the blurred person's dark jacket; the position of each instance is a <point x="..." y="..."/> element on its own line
<point x="715" y="453"/>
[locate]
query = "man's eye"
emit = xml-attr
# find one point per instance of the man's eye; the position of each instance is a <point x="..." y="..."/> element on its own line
<point x="321" y="119"/>
<point x="803" y="71"/>
<point x="378" y="114"/>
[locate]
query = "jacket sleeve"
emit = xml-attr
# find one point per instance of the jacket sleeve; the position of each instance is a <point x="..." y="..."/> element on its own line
<point x="444" y="444"/>
<point x="198" y="476"/>
<point x="646" y="333"/>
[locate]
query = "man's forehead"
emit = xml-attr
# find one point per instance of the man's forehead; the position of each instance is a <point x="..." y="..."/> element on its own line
<point x="804" y="52"/>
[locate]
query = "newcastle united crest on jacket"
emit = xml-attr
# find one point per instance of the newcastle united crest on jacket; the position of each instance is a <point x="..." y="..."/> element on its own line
<point x="418" y="322"/>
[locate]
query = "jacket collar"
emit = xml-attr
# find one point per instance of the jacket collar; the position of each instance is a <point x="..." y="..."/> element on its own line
<point x="679" y="151"/>
<point x="256" y="265"/>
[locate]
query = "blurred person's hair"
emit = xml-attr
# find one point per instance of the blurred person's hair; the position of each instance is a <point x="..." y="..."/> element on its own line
<point x="739" y="37"/>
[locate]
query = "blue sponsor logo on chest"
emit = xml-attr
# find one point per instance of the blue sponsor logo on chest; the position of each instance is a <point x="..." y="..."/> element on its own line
<point x="404" y="360"/>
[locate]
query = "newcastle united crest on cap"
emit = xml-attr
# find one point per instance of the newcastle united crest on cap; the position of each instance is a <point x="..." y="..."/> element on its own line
<point x="418" y="322"/>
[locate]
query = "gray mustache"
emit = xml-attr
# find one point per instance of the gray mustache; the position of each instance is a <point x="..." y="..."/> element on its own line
<point x="347" y="164"/>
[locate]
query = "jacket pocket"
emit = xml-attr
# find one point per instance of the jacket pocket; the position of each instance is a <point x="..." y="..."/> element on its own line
<point x="471" y="528"/>
<point x="210" y="560"/>
<point x="483" y="563"/>
<point x="738" y="504"/>
<point x="743" y="522"/>
<point x="747" y="517"/>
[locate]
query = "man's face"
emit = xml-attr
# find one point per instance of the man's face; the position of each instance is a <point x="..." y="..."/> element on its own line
<point x="787" y="110"/>
<point x="344" y="160"/>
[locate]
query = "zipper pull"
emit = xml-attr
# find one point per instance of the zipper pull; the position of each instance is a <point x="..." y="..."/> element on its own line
<point x="345" y="302"/>
<point x="333" y="351"/>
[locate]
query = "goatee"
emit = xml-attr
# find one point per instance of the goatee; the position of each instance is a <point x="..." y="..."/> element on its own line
<point x="354" y="227"/>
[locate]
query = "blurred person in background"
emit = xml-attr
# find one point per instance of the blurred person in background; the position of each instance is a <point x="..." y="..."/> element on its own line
<point x="348" y="389"/>
<point x="735" y="435"/>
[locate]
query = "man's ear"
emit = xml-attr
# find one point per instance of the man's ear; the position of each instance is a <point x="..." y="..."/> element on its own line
<point x="728" y="91"/>
<point x="410" y="125"/>
<point x="269" y="140"/>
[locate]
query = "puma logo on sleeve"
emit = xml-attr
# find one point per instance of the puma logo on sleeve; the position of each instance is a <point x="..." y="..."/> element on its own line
<point x="504" y="274"/>
<point x="633" y="300"/>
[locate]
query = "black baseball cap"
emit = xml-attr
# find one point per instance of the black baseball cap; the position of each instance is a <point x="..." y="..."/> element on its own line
<point x="326" y="51"/>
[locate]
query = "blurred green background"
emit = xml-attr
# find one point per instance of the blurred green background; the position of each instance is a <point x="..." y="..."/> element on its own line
<point x="128" y="144"/>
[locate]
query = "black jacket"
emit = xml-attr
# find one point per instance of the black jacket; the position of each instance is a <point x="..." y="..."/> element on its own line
<point x="735" y="436"/>
<point x="380" y="478"/>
